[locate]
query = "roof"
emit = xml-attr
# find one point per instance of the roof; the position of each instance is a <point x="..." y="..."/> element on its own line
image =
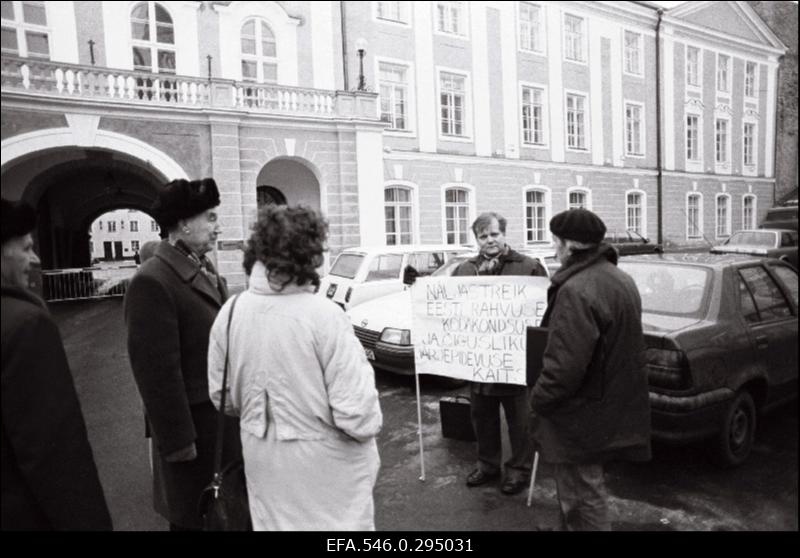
<point x="406" y="248"/>
<point x="697" y="258"/>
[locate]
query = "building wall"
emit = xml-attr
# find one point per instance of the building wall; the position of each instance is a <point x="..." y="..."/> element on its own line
<point x="122" y="219"/>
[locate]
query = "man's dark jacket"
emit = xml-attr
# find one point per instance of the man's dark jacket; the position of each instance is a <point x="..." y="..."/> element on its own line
<point x="49" y="478"/>
<point x="169" y="309"/>
<point x="511" y="263"/>
<point x="591" y="400"/>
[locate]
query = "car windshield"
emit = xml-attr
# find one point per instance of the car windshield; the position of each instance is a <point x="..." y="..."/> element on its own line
<point x="752" y="238"/>
<point x="677" y="290"/>
<point x="346" y="265"/>
<point x="448" y="268"/>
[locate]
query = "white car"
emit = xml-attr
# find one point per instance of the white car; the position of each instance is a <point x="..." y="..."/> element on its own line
<point x="364" y="273"/>
<point x="383" y="325"/>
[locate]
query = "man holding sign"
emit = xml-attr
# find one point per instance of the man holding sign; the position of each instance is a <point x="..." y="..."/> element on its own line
<point x="497" y="258"/>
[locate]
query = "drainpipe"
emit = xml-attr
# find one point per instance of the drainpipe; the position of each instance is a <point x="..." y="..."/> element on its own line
<point x="343" y="13"/>
<point x="659" y="176"/>
<point x="775" y="127"/>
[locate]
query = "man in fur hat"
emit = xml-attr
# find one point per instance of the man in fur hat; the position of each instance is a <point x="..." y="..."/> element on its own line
<point x="49" y="478"/>
<point x="170" y="306"/>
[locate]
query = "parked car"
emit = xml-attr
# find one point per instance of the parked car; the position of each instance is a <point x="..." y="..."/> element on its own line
<point x="363" y="273"/>
<point x="383" y="325"/>
<point x="631" y="242"/>
<point x="721" y="338"/>
<point x="782" y="217"/>
<point x="771" y="243"/>
<point x="546" y="255"/>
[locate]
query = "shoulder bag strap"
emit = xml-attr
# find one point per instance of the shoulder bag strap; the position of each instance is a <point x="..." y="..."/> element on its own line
<point x="221" y="418"/>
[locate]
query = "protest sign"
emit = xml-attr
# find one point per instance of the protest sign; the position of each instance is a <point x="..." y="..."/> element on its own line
<point x="474" y="328"/>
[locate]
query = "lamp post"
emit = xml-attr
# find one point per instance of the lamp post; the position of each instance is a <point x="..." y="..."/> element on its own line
<point x="361" y="47"/>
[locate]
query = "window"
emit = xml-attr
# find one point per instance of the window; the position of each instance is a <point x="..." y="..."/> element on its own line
<point x="633" y="212"/>
<point x="24" y="29"/>
<point x="692" y="66"/>
<point x="385" y="266"/>
<point x="694" y="216"/>
<point x="748" y="144"/>
<point x="450" y="18"/>
<point x="122" y="224"/>
<point x="576" y="121"/>
<point x="100" y="225"/>
<point x="749" y="212"/>
<point x="134" y="226"/>
<point x="530" y="27"/>
<point x="750" y="87"/>
<point x="633" y="53"/>
<point x="259" y="52"/>
<point x="692" y="137"/>
<point x="134" y="245"/>
<point x="398" y="214"/>
<point x="532" y="116"/>
<point x="633" y="129"/>
<point x="723" y="216"/>
<point x="573" y="38"/>
<point x="535" y="216"/>
<point x="456" y="215"/>
<point x="789" y="278"/>
<point x="112" y="226"/>
<point x="577" y="200"/>
<point x="721" y="141"/>
<point x="723" y="73"/>
<point x="394" y="95"/>
<point x="768" y="301"/>
<point x="153" y="226"/>
<point x="452" y="104"/>
<point x="392" y="11"/>
<point x="153" y="38"/>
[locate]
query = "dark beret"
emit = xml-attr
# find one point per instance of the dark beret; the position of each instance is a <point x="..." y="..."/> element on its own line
<point x="183" y="199"/>
<point x="578" y="224"/>
<point x="18" y="219"/>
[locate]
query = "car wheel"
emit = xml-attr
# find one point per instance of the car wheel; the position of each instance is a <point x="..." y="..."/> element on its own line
<point x="735" y="440"/>
<point x="449" y="383"/>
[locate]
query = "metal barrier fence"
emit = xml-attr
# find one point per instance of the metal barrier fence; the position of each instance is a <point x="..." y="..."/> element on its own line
<point x="85" y="283"/>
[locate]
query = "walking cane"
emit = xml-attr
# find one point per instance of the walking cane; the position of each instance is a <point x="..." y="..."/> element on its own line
<point x="533" y="477"/>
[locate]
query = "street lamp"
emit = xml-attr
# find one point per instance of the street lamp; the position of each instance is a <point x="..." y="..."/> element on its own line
<point x="361" y="47"/>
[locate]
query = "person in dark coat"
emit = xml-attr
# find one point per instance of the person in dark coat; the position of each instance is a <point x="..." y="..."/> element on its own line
<point x="590" y="403"/>
<point x="49" y="477"/>
<point x="497" y="258"/>
<point x="170" y="305"/>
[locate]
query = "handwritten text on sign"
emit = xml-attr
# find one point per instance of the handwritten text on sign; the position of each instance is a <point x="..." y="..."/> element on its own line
<point x="473" y="328"/>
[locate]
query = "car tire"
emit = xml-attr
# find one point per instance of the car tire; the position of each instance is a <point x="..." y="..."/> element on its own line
<point x="449" y="383"/>
<point x="735" y="439"/>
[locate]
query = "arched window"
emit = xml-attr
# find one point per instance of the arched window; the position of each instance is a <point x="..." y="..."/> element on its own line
<point x="723" y="228"/>
<point x="536" y="216"/>
<point x="635" y="212"/>
<point x="578" y="198"/>
<point x="456" y="215"/>
<point x="748" y="211"/>
<point x="398" y="210"/>
<point x="266" y="195"/>
<point x="153" y="38"/>
<point x="25" y="30"/>
<point x="694" y="216"/>
<point x="259" y="52"/>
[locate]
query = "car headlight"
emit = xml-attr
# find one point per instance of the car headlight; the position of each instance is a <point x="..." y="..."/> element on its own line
<point x="396" y="336"/>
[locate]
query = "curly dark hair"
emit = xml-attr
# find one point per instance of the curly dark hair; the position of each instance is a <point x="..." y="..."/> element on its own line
<point x="289" y="240"/>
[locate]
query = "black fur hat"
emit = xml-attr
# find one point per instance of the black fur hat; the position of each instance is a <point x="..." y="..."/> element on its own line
<point x="18" y="219"/>
<point x="578" y="224"/>
<point x="182" y="199"/>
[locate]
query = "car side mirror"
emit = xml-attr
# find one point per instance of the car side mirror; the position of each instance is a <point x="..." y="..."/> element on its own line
<point x="410" y="275"/>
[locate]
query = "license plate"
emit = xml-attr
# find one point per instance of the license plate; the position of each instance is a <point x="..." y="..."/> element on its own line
<point x="370" y="354"/>
<point x="331" y="291"/>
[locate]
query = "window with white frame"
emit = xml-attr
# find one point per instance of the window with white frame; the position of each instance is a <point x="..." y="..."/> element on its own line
<point x="530" y="27"/>
<point x="450" y="18"/>
<point x="153" y="226"/>
<point x="456" y="215"/>
<point x="134" y="245"/>
<point x="749" y="211"/>
<point x="633" y="53"/>
<point x="152" y="38"/>
<point x="535" y="216"/>
<point x="633" y="129"/>
<point x="392" y="11"/>
<point x="24" y="29"/>
<point x="398" y="210"/>
<point x="723" y="73"/>
<point x="577" y="199"/>
<point x="723" y="215"/>
<point x="112" y="226"/>
<point x="573" y="38"/>
<point x="694" y="216"/>
<point x="576" y="121"/>
<point x="134" y="226"/>
<point x="750" y="79"/>
<point x="259" y="52"/>
<point x="693" y="66"/>
<point x="721" y="140"/>
<point x="633" y="212"/>
<point x="452" y="104"/>
<point x="749" y="144"/>
<point x="692" y="137"/>
<point x="532" y="115"/>
<point x="394" y="95"/>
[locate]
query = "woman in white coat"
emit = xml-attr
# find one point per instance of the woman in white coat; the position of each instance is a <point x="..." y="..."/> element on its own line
<point x="300" y="383"/>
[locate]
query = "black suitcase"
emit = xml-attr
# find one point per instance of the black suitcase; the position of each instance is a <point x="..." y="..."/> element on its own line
<point x="456" y="422"/>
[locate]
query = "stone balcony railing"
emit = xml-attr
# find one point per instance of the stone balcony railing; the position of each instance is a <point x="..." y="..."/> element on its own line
<point x="70" y="81"/>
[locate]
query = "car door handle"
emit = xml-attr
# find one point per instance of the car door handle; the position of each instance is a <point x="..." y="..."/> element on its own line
<point x="762" y="342"/>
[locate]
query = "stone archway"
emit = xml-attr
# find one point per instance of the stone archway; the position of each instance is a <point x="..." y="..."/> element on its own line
<point x="294" y="179"/>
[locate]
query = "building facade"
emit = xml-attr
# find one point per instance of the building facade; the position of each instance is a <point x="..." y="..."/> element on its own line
<point x="119" y="234"/>
<point x="401" y="121"/>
